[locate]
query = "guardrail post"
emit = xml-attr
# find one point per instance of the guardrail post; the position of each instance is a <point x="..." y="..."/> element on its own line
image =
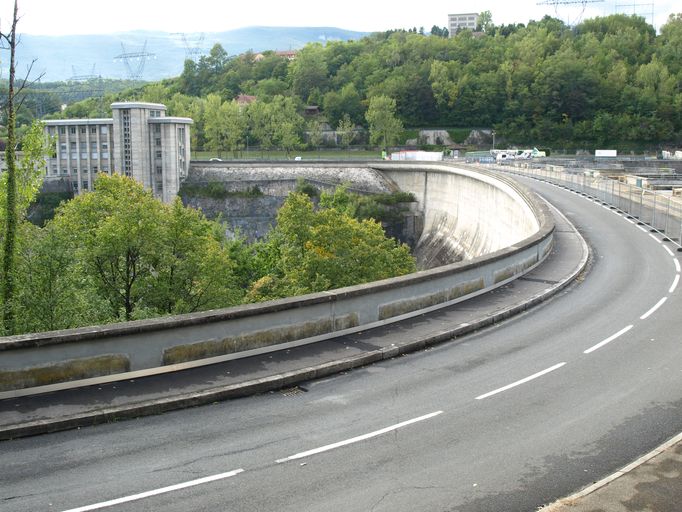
<point x="653" y="214"/>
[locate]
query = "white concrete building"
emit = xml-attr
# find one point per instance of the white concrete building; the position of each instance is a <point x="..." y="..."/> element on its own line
<point x="460" y="21"/>
<point x="139" y="141"/>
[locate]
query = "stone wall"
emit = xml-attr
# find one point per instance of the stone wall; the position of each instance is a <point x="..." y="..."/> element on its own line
<point x="253" y="215"/>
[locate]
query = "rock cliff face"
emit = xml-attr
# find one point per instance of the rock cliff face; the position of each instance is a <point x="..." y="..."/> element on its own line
<point x="247" y="196"/>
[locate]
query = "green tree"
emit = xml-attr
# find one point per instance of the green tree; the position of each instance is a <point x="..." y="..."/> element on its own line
<point x="215" y="126"/>
<point x="314" y="132"/>
<point x="384" y="126"/>
<point x="346" y="129"/>
<point x="309" y="71"/>
<point x="326" y="249"/>
<point x="54" y="292"/>
<point x="117" y="234"/>
<point x="194" y="271"/>
<point x="485" y="22"/>
<point x="10" y="188"/>
<point x="235" y="126"/>
<point x="18" y="189"/>
<point x="669" y="44"/>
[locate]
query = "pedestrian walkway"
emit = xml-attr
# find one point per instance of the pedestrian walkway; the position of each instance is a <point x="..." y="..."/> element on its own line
<point x="650" y="484"/>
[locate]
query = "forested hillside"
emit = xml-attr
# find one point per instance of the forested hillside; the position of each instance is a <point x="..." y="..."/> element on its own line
<point x="607" y="82"/>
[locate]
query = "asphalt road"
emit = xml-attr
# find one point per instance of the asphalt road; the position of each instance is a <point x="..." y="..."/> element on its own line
<point x="507" y="419"/>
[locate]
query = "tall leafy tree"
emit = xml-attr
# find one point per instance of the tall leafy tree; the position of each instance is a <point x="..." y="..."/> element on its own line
<point x="195" y="271"/>
<point x="215" y="125"/>
<point x="384" y="126"/>
<point x="117" y="233"/>
<point x="324" y="249"/>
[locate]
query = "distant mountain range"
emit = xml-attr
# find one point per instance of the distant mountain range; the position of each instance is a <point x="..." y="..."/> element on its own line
<point x="63" y="57"/>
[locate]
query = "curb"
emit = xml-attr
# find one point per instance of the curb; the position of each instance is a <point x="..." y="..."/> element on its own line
<point x="279" y="381"/>
<point x="565" y="502"/>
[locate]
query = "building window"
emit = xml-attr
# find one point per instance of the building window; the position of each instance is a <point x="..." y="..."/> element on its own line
<point x="72" y="130"/>
<point x="55" y="171"/>
<point x="157" y="142"/>
<point x="85" y="184"/>
<point x="62" y="147"/>
<point x="93" y="130"/>
<point x="75" y="186"/>
<point x="157" y="128"/>
<point x="104" y="130"/>
<point x="159" y="169"/>
<point x="84" y="129"/>
<point x="62" y="130"/>
<point x="65" y="171"/>
<point x="158" y="154"/>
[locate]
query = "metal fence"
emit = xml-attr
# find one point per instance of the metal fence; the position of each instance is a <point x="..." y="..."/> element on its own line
<point x="662" y="213"/>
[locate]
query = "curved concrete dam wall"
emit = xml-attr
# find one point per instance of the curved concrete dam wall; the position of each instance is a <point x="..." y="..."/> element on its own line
<point x="41" y="362"/>
<point x="468" y="212"/>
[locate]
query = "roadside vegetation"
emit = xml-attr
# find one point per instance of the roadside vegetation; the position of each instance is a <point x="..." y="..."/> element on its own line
<point x="117" y="254"/>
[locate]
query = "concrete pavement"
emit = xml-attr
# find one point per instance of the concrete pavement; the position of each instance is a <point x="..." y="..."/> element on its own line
<point x="651" y="483"/>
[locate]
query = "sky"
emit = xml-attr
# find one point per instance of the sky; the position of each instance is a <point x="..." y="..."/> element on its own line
<point x="70" y="17"/>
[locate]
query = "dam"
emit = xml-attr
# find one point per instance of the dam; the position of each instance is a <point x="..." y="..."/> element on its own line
<point x="497" y="229"/>
<point x="454" y="218"/>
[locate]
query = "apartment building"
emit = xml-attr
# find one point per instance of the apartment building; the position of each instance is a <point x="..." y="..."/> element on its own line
<point x="139" y="141"/>
<point x="460" y="21"/>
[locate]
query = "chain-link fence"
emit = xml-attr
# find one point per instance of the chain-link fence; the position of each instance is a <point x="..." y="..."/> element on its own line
<point x="661" y="212"/>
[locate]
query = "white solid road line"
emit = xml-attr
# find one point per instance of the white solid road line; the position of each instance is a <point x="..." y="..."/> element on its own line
<point x="677" y="265"/>
<point x="608" y="340"/>
<point x="655" y="238"/>
<point x="669" y="251"/>
<point x="522" y="381"/>
<point x="676" y="281"/>
<point x="363" y="437"/>
<point x="652" y="310"/>
<point x="156" y="492"/>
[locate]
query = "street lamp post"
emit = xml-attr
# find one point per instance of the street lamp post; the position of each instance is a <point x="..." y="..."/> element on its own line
<point x="493" y="139"/>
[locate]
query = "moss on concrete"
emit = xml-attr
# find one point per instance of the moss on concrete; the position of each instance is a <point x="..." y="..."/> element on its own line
<point x="254" y="340"/>
<point x="413" y="304"/>
<point x="515" y="270"/>
<point x="64" y="371"/>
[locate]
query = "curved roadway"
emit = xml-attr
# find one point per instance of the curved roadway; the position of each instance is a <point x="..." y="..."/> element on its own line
<point x="507" y="419"/>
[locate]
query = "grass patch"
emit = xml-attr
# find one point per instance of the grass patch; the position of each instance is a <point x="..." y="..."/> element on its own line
<point x="459" y="135"/>
<point x="216" y="190"/>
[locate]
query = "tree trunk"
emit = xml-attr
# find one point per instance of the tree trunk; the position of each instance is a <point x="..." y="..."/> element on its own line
<point x="9" y="248"/>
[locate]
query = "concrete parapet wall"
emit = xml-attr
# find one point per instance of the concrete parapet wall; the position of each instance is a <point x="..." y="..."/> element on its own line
<point x="124" y="350"/>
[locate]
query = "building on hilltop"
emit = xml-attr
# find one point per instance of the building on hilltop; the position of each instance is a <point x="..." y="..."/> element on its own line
<point x="139" y="141"/>
<point x="457" y="22"/>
